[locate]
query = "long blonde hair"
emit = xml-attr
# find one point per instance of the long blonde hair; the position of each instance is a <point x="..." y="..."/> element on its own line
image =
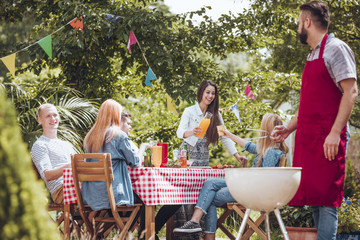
<point x="268" y="123"/>
<point x="108" y="120"/>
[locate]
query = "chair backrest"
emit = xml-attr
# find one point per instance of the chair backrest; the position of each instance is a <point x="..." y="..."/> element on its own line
<point x="92" y="171"/>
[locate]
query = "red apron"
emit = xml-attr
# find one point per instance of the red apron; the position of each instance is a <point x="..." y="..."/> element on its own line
<point x="322" y="181"/>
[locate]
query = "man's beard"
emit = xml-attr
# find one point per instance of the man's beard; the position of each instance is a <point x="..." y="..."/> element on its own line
<point x="303" y="36"/>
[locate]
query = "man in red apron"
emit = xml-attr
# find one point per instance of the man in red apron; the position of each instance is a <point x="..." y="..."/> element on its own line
<point x="328" y="93"/>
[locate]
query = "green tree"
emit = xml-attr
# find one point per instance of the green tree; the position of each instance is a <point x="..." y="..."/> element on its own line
<point x="23" y="213"/>
<point x="76" y="113"/>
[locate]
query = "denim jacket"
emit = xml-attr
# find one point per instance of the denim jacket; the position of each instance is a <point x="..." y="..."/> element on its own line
<point x="270" y="159"/>
<point x="95" y="193"/>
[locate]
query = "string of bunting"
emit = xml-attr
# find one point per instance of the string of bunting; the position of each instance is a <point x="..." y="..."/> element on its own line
<point x="45" y="43"/>
<point x="234" y="108"/>
<point x="77" y="23"/>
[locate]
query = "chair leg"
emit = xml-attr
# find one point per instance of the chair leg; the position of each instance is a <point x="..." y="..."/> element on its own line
<point x="220" y="222"/>
<point x="125" y="230"/>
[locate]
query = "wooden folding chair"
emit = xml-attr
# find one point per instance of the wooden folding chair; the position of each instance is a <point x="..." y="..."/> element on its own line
<point x="59" y="208"/>
<point x="239" y="209"/>
<point x="98" y="221"/>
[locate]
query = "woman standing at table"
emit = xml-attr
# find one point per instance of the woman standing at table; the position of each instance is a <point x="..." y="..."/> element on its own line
<point x="106" y="136"/>
<point x="208" y="101"/>
<point x="198" y="149"/>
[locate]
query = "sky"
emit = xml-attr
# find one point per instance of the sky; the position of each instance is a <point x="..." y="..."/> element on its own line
<point x="218" y="6"/>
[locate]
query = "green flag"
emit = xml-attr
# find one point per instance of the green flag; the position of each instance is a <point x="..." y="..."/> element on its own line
<point x="45" y="43"/>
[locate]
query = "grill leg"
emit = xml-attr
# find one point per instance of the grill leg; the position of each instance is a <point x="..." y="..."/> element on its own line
<point x="267" y="224"/>
<point x="243" y="224"/>
<point x="281" y="223"/>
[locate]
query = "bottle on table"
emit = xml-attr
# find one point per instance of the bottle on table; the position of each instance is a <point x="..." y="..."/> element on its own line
<point x="183" y="156"/>
<point x="147" y="157"/>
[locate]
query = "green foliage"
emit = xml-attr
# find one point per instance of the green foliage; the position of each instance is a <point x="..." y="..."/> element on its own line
<point x="349" y="215"/>
<point x="297" y="216"/>
<point x="76" y="113"/>
<point x="96" y="62"/>
<point x="23" y="211"/>
<point x="350" y="188"/>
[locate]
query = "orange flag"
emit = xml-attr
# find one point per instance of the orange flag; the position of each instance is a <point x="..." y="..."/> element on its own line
<point x="77" y="23"/>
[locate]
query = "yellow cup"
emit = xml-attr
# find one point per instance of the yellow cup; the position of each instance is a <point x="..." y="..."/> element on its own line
<point x="220" y="127"/>
<point x="157" y="155"/>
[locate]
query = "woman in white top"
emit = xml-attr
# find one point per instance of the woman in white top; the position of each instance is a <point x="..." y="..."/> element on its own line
<point x="208" y="101"/>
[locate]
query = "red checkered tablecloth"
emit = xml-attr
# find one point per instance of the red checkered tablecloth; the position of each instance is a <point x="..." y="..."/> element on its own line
<point x="69" y="188"/>
<point x="158" y="186"/>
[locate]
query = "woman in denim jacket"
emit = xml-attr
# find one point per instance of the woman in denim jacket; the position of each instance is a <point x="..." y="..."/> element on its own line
<point x="106" y="137"/>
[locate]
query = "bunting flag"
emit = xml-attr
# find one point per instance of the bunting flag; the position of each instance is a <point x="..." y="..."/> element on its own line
<point x="248" y="92"/>
<point x="149" y="77"/>
<point x="111" y="17"/>
<point x="170" y="105"/>
<point x="9" y="62"/>
<point x="77" y="23"/>
<point x="235" y="109"/>
<point x="45" y="43"/>
<point x="132" y="40"/>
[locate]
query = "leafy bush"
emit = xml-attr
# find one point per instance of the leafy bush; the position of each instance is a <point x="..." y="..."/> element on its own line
<point x="297" y="216"/>
<point x="349" y="215"/>
<point x="23" y="213"/>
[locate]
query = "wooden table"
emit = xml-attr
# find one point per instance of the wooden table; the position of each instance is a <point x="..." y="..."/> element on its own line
<point x="155" y="186"/>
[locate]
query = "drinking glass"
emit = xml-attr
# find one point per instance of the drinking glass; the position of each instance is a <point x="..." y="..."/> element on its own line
<point x="157" y="155"/>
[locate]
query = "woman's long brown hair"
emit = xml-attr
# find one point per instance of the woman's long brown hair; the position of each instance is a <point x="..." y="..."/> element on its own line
<point x="212" y="135"/>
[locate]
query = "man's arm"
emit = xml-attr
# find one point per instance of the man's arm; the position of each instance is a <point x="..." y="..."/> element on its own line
<point x="55" y="173"/>
<point x="280" y="133"/>
<point x="331" y="144"/>
<point x="41" y="159"/>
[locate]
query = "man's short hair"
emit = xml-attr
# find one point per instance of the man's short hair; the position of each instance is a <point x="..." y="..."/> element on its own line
<point x="43" y="106"/>
<point x="319" y="12"/>
<point x="125" y="115"/>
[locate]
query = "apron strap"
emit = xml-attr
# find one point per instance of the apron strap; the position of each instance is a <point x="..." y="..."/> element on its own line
<point x="323" y="42"/>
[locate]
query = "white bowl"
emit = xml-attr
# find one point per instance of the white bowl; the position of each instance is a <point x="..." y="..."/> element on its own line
<point x="263" y="189"/>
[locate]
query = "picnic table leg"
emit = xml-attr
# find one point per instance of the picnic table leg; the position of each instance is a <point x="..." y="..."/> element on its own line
<point x="67" y="221"/>
<point x="149" y="221"/>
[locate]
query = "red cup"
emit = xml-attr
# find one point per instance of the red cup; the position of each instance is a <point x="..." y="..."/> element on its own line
<point x="164" y="154"/>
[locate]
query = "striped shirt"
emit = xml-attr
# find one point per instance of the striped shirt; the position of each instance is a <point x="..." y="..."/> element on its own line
<point x="48" y="154"/>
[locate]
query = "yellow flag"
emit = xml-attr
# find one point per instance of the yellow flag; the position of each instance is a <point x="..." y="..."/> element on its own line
<point x="9" y="62"/>
<point x="170" y="106"/>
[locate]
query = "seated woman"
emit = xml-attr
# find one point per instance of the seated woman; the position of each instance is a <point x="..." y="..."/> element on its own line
<point x="215" y="193"/>
<point x="106" y="137"/>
